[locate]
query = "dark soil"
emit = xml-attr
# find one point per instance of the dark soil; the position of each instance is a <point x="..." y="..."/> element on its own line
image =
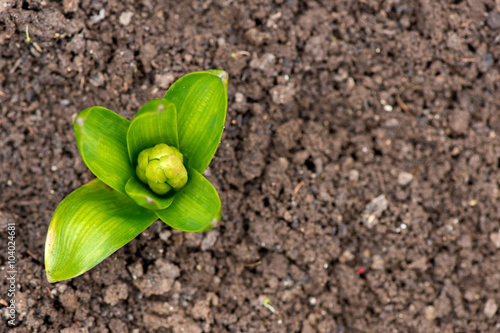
<point x="358" y="171"/>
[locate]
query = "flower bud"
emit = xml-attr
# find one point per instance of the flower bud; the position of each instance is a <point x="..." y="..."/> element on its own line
<point x="162" y="168"/>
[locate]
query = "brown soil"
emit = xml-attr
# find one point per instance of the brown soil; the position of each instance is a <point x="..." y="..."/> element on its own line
<point x="358" y="171"/>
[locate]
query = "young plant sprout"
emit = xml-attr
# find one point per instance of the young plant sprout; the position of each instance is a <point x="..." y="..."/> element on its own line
<point x="147" y="169"/>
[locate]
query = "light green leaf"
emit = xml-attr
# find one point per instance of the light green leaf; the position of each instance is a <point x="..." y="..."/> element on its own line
<point x="101" y="136"/>
<point x="201" y="102"/>
<point x="144" y="197"/>
<point x="89" y="225"/>
<point x="155" y="122"/>
<point x="196" y="206"/>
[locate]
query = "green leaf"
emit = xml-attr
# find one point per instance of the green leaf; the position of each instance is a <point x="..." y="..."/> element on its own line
<point x="155" y="122"/>
<point x="196" y="206"/>
<point x="144" y="197"/>
<point x="89" y="225"/>
<point x="101" y="136"/>
<point x="201" y="102"/>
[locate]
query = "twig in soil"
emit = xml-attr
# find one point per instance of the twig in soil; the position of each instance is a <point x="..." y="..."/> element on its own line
<point x="466" y="24"/>
<point x="16" y="65"/>
<point x="3" y="302"/>
<point x="240" y="53"/>
<point x="3" y="94"/>
<point x="28" y="203"/>
<point x="470" y="60"/>
<point x="402" y="104"/>
<point x="253" y="264"/>
<point x="37" y="47"/>
<point x="400" y="101"/>
<point x="28" y="252"/>
<point x="50" y="293"/>
<point x="381" y="181"/>
<point x="297" y="189"/>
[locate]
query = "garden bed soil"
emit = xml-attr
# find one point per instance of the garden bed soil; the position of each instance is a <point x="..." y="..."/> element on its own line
<point x="358" y="170"/>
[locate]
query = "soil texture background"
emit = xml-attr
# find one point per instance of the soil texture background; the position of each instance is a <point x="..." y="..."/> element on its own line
<point x="358" y="171"/>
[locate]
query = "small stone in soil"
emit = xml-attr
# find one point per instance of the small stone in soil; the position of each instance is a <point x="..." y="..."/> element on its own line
<point x="490" y="308"/>
<point x="495" y="238"/>
<point x="429" y="313"/>
<point x="70" y="6"/>
<point x="125" y="18"/>
<point x="282" y="94"/>
<point x="264" y="63"/>
<point x="256" y="37"/>
<point x="114" y="293"/>
<point x="239" y="98"/>
<point x="494" y="20"/>
<point x="377" y="262"/>
<point x="404" y="178"/>
<point x="374" y="210"/>
<point x="164" y="80"/>
<point x="210" y="239"/>
<point x="459" y="121"/>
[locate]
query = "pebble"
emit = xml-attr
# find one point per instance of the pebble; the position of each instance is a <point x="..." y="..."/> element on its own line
<point x="165" y="235"/>
<point x="490" y="308"/>
<point x="346" y="256"/>
<point x="430" y="313"/>
<point x="459" y="121"/>
<point x="70" y="6"/>
<point x="114" y="293"/>
<point x="239" y="98"/>
<point x="378" y="263"/>
<point x="97" y="80"/>
<point x="404" y="178"/>
<point x="351" y="84"/>
<point x="471" y="295"/>
<point x="493" y="20"/>
<point x="388" y="108"/>
<point x="495" y="238"/>
<point x="256" y="37"/>
<point x="393" y="122"/>
<point x="210" y="239"/>
<point x="125" y="18"/>
<point x="164" y="80"/>
<point x="484" y="64"/>
<point x="374" y="210"/>
<point x="282" y="94"/>
<point x="264" y="63"/>
<point x="354" y="175"/>
<point x="5" y="219"/>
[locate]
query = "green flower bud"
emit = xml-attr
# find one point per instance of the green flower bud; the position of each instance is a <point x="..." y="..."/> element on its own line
<point x="162" y="168"/>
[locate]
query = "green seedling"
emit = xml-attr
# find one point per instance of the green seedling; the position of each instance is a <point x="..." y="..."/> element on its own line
<point x="147" y="169"/>
<point x="269" y="306"/>
<point x="28" y="39"/>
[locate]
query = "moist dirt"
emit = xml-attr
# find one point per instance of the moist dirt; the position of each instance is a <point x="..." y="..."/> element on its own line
<point x="358" y="170"/>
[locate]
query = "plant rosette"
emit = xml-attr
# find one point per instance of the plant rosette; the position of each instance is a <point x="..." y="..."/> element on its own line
<point x="147" y="169"/>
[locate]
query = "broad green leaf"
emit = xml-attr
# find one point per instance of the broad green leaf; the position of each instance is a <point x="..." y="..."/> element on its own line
<point x="155" y="123"/>
<point x="196" y="206"/>
<point x="101" y="136"/>
<point x="89" y="225"/>
<point x="201" y="102"/>
<point x="144" y="197"/>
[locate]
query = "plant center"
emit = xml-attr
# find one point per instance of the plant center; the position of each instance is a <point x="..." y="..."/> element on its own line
<point x="162" y="168"/>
